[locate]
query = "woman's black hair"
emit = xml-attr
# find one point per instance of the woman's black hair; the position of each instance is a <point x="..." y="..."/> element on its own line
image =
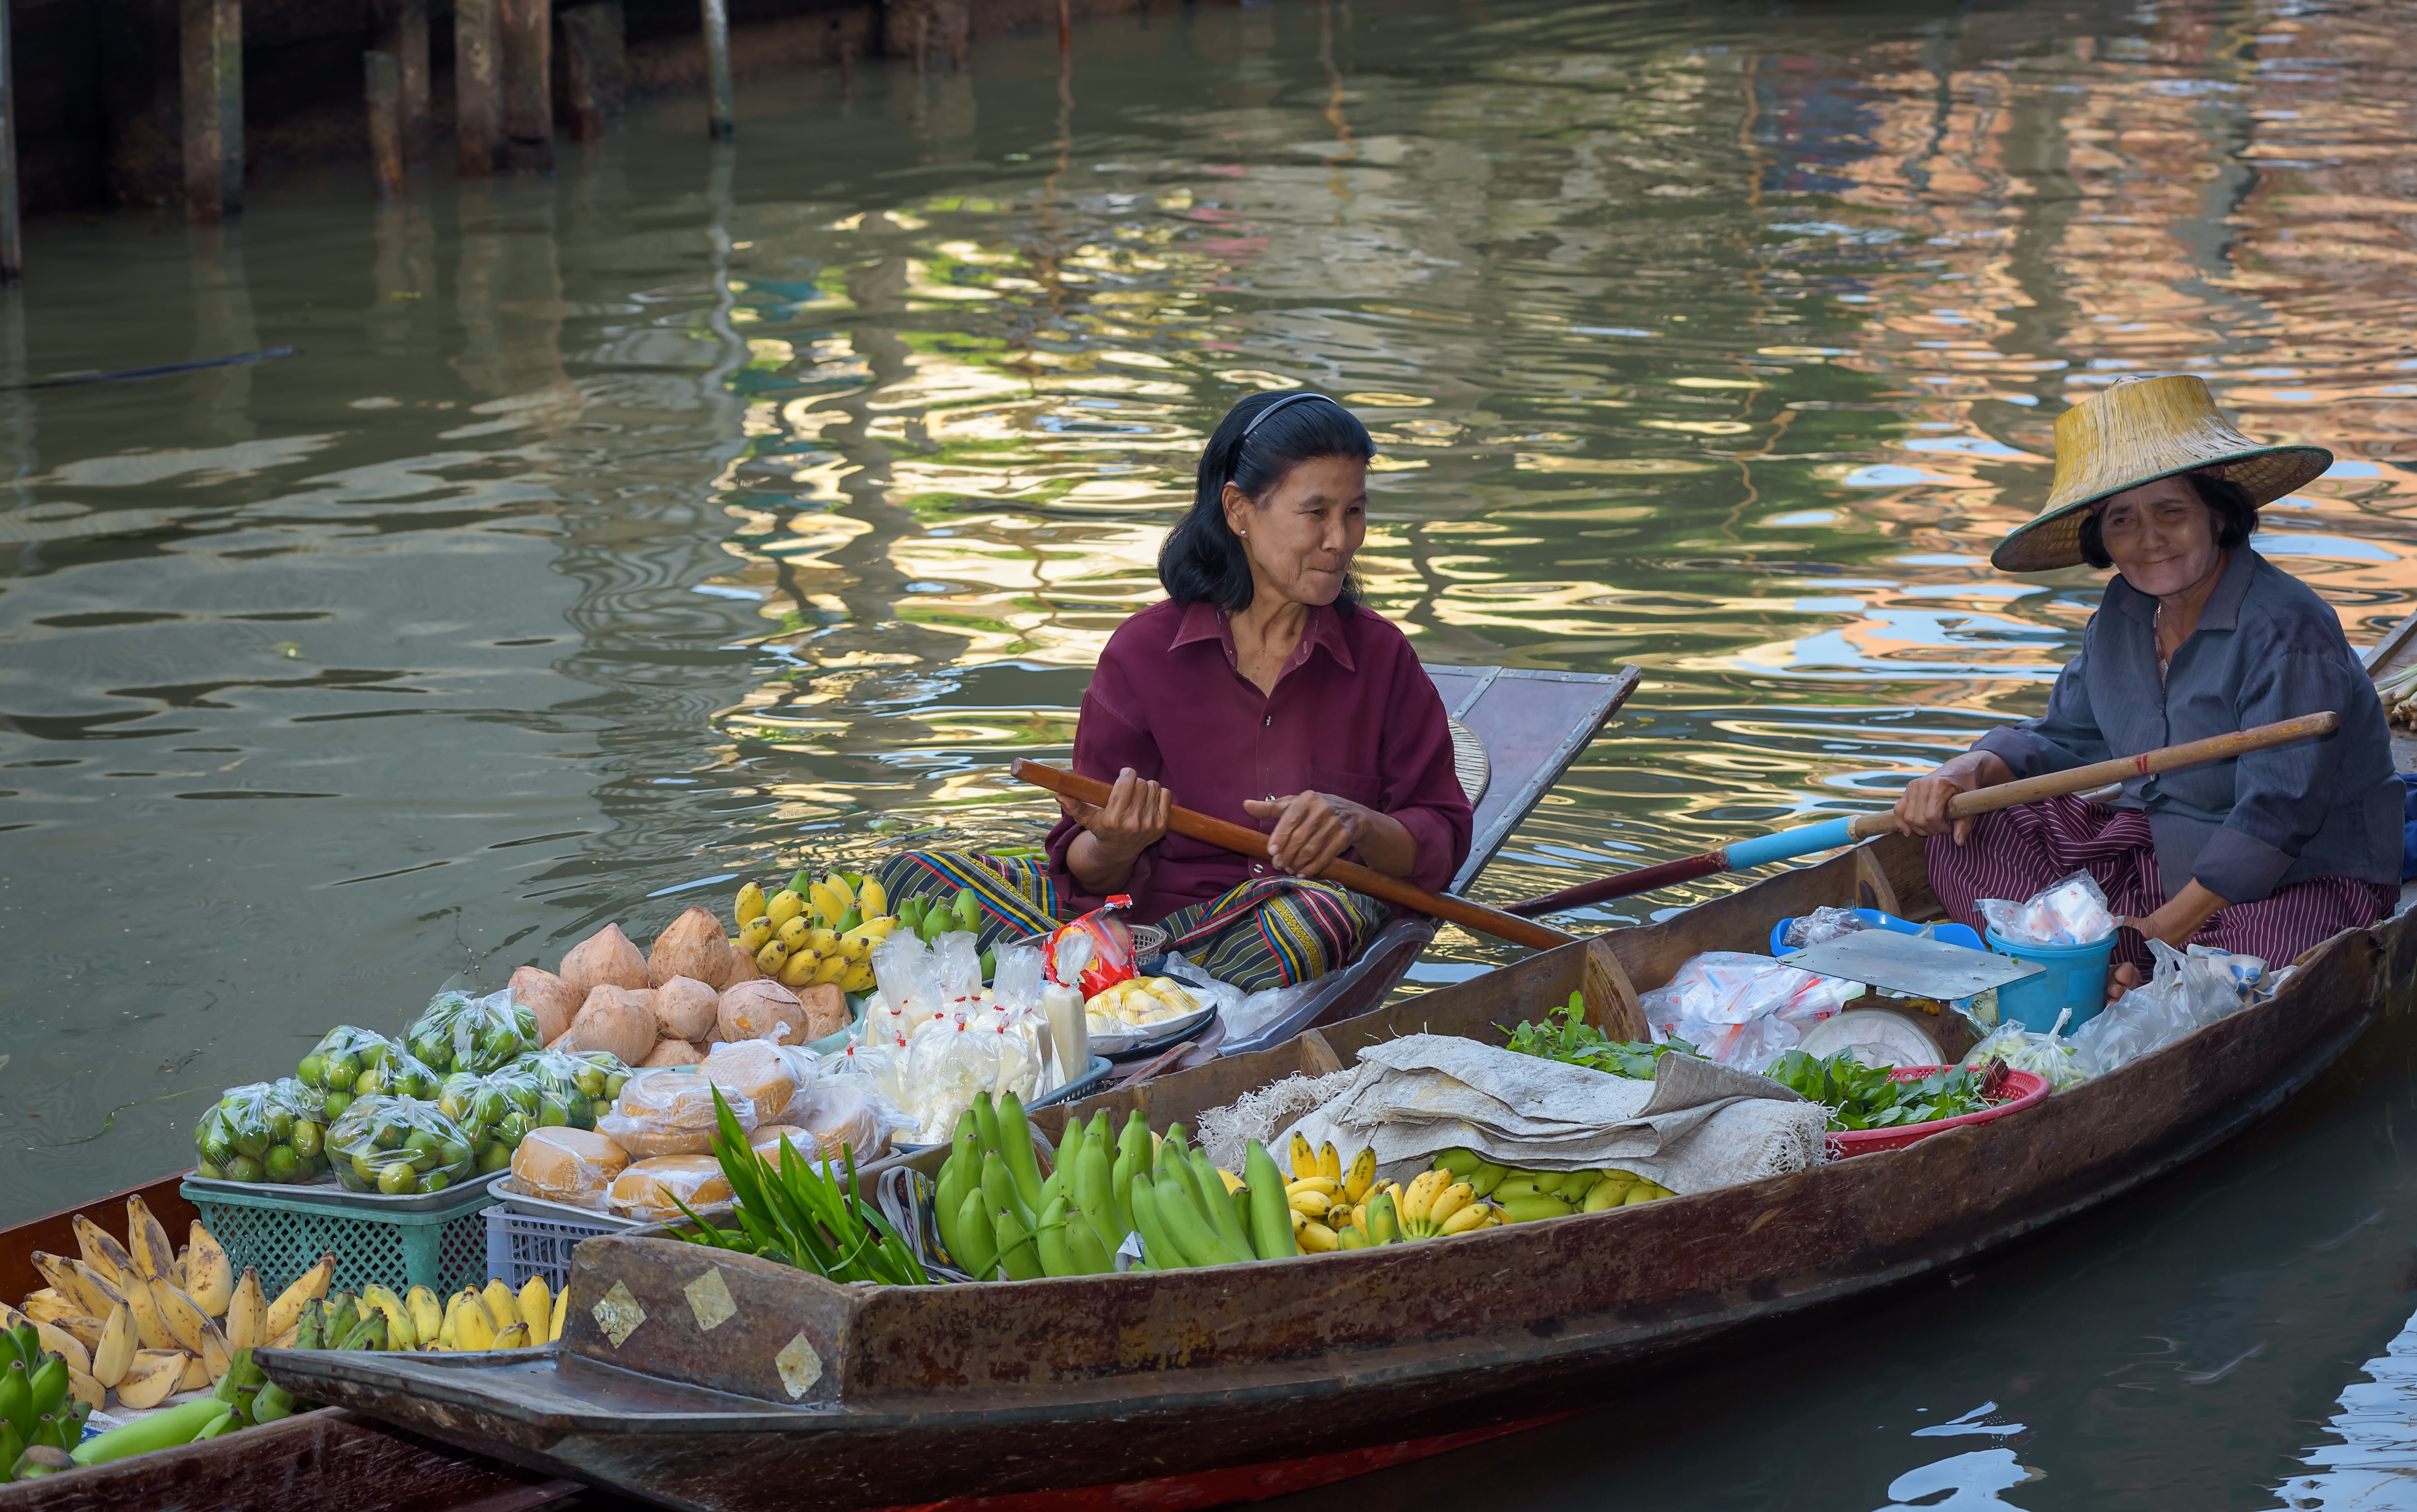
<point x="1203" y="561"/>
<point x="2235" y="517"/>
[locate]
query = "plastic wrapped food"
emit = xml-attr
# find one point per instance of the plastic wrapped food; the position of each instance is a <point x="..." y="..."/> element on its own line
<point x="670" y="1112"/>
<point x="646" y="1187"/>
<point x="2072" y="912"/>
<point x="2186" y="992"/>
<point x="568" y="1165"/>
<point x="1110" y="957"/>
<point x="457" y="1032"/>
<point x="334" y="1066"/>
<point x="1823" y="923"/>
<point x="397" y="1147"/>
<point x="266" y="1131"/>
<point x="841" y="1118"/>
<point x="753" y="1070"/>
<point x="1742" y="1011"/>
<point x="2048" y="1056"/>
<point x="1136" y="1002"/>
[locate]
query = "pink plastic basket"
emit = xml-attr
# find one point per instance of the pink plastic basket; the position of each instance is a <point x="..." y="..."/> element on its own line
<point x="2021" y="1090"/>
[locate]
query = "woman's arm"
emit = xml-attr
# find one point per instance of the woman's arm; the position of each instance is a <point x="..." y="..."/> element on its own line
<point x="1922" y="807"/>
<point x="1313" y="828"/>
<point x="1114" y="836"/>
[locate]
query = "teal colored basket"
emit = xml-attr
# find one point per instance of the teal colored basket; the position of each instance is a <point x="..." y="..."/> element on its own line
<point x="441" y="1247"/>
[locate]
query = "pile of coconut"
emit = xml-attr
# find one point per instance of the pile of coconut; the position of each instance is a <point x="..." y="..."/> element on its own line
<point x="667" y="1006"/>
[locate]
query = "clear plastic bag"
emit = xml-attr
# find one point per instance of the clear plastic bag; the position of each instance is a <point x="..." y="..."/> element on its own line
<point x="842" y="1116"/>
<point x="268" y="1131"/>
<point x="670" y="1112"/>
<point x="2072" y="912"/>
<point x="558" y="1088"/>
<point x="752" y="1070"/>
<point x="397" y="1147"/>
<point x="1742" y="1011"/>
<point x="2184" y="993"/>
<point x="646" y="1188"/>
<point x="568" y="1165"/>
<point x="909" y="980"/>
<point x="491" y="1112"/>
<point x="457" y="1032"/>
<point x="957" y="958"/>
<point x="2048" y="1056"/>
<point x="1196" y="980"/>
<point x="1110" y="958"/>
<point x="1824" y="923"/>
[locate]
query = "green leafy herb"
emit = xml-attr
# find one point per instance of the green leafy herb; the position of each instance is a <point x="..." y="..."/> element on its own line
<point x="793" y="1213"/>
<point x="1565" y="1035"/>
<point x="1870" y="1096"/>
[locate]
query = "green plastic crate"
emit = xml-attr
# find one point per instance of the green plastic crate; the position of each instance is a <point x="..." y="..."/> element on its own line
<point x="443" y="1249"/>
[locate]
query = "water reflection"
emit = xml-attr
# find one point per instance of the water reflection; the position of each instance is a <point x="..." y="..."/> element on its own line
<point x="2373" y="1468"/>
<point x="700" y="506"/>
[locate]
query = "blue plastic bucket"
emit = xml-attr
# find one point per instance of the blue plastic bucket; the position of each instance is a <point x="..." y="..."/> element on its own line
<point x="2072" y="975"/>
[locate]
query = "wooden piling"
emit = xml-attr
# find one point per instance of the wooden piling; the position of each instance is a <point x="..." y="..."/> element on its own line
<point x="594" y="67"/>
<point x="527" y="30"/>
<point x="478" y="87"/>
<point x="404" y="32"/>
<point x="1065" y="28"/>
<point x="12" y="243"/>
<point x="383" y="79"/>
<point x="722" y="112"/>
<point x="210" y="57"/>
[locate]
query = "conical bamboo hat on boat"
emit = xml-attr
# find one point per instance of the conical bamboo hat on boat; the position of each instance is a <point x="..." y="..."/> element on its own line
<point x="2136" y="433"/>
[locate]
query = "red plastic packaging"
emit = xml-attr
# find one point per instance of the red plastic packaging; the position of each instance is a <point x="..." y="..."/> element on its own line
<point x="1108" y="946"/>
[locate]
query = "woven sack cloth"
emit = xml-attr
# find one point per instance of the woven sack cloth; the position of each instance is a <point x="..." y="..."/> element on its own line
<point x="1693" y="1127"/>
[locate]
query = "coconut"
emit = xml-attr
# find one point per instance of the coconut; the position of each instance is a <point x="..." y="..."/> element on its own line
<point x="825" y="1008"/>
<point x="672" y="1053"/>
<point x="613" y="1019"/>
<point x="742" y="968"/>
<point x="549" y="997"/>
<point x="604" y="959"/>
<point x="685" y="1008"/>
<point x="760" y="1010"/>
<point x="695" y="948"/>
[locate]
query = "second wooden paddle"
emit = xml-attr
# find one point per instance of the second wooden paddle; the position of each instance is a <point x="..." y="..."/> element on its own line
<point x="1813" y="838"/>
<point x="1243" y="840"/>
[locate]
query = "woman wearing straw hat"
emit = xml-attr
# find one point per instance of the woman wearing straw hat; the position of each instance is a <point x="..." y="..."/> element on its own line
<point x="2198" y="635"/>
<point x="1259" y="691"/>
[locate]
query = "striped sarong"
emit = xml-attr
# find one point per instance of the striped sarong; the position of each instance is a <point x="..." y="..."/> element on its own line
<point x="1270" y="932"/>
<point x="2014" y="852"/>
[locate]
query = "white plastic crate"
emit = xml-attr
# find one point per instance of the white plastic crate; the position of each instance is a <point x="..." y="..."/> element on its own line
<point x="519" y="1245"/>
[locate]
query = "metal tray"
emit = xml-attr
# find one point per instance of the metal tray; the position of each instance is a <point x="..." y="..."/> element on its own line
<point x="476" y="1192"/>
<point x="510" y="1194"/>
<point x="1153" y="1037"/>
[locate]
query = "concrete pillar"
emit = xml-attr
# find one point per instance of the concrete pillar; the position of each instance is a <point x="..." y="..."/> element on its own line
<point x="478" y="87"/>
<point x="211" y="45"/>
<point x="594" y="67"/>
<point x="12" y="243"/>
<point x="527" y="30"/>
<point x="383" y="81"/>
<point x="722" y="109"/>
<point x="403" y="30"/>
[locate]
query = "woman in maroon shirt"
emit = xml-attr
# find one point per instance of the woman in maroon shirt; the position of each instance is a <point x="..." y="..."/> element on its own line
<point x="1260" y="692"/>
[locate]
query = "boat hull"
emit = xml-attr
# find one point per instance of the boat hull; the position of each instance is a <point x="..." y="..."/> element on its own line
<point x="1012" y="1389"/>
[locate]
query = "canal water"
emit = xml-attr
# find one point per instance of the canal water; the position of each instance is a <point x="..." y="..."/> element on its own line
<point x="703" y="511"/>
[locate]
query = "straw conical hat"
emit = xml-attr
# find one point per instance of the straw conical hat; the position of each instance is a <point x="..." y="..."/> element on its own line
<point x="2136" y="433"/>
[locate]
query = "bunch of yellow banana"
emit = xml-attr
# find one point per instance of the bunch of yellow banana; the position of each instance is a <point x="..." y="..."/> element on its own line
<point x="142" y="1319"/>
<point x="1525" y="1196"/>
<point x="501" y="1318"/>
<point x="814" y="931"/>
<point x="1327" y="1201"/>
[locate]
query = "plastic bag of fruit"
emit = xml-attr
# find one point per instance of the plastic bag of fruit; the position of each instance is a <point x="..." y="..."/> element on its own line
<point x="495" y="1112"/>
<point x="457" y="1032"/>
<point x="397" y="1147"/>
<point x="266" y="1131"/>
<point x="351" y="1063"/>
<point x="572" y="1086"/>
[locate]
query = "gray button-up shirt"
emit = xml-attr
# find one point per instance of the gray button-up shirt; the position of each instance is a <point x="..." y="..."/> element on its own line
<point x="2266" y="649"/>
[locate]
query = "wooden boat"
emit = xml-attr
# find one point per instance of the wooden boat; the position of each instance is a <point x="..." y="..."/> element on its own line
<point x="800" y="1394"/>
<point x="1516" y="731"/>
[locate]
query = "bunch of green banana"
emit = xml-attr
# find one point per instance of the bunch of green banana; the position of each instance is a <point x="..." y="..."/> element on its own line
<point x="35" y="1413"/>
<point x="811" y="933"/>
<point x="1525" y="1196"/>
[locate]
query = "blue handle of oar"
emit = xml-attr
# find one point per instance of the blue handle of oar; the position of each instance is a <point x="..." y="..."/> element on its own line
<point x="1747" y="855"/>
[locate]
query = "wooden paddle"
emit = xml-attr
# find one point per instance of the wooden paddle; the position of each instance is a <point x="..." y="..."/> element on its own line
<point x="1815" y="838"/>
<point x="1243" y="840"/>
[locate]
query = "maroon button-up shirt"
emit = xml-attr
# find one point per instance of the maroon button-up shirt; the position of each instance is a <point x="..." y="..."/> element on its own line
<point x="1353" y="714"/>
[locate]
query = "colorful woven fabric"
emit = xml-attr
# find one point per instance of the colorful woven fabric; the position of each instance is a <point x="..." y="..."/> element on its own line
<point x="2014" y="852"/>
<point x="1271" y="931"/>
